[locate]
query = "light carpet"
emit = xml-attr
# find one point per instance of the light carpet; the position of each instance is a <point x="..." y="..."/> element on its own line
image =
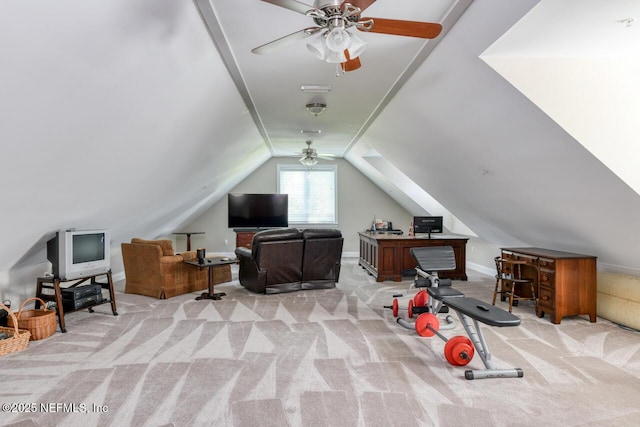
<point x="314" y="358"/>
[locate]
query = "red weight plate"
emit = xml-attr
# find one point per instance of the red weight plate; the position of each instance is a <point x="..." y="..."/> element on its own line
<point x="395" y="307"/>
<point x="410" y="309"/>
<point x="448" y="350"/>
<point x="463" y="353"/>
<point x="426" y="324"/>
<point x="421" y="298"/>
<point x="459" y="351"/>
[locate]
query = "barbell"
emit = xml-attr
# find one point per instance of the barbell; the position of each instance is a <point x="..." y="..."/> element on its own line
<point x="416" y="305"/>
<point x="458" y="350"/>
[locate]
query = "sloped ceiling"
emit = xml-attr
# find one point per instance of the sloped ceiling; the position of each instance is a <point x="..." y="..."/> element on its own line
<point x="585" y="74"/>
<point x="122" y="114"/>
<point x="115" y="114"/>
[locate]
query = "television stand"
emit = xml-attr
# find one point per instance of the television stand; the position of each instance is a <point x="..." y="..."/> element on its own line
<point x="52" y="283"/>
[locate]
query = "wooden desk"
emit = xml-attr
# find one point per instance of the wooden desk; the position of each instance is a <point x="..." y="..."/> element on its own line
<point x="387" y="256"/>
<point x="566" y="282"/>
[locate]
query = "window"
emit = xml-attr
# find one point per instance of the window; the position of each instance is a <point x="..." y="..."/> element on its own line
<point x="312" y="193"/>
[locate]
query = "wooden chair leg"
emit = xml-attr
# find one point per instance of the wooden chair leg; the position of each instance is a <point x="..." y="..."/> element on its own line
<point x="511" y="299"/>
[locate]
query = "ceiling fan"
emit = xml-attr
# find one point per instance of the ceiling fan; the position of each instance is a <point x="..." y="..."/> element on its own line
<point x="310" y="156"/>
<point x="334" y="43"/>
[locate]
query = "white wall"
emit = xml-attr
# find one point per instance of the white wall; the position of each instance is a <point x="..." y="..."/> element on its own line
<point x="358" y="200"/>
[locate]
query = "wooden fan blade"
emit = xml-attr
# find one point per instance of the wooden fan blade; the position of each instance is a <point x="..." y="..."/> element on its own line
<point x="424" y="30"/>
<point x="351" y="64"/>
<point x="294" y="5"/>
<point x="285" y="41"/>
<point x="362" y="4"/>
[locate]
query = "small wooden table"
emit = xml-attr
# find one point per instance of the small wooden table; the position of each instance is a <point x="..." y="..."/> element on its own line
<point x="53" y="283"/>
<point x="211" y="264"/>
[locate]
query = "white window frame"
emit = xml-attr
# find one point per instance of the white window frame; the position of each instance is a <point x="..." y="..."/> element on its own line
<point x="302" y="168"/>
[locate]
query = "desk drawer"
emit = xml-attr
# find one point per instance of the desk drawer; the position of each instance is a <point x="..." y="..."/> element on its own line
<point x="546" y="299"/>
<point x="547" y="278"/>
<point x="523" y="258"/>
<point x="546" y="263"/>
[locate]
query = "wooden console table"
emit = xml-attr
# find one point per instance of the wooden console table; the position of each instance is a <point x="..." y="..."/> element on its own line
<point x="387" y="256"/>
<point x="566" y="282"/>
<point x="53" y="283"/>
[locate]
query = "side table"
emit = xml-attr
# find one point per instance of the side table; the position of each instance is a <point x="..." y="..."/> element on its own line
<point x="211" y="264"/>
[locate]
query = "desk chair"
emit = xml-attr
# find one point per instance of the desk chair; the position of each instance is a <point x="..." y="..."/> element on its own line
<point x="510" y="283"/>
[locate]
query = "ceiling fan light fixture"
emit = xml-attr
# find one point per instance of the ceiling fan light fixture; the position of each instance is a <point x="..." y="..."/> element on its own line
<point x="335" y="57"/>
<point x="316" y="108"/>
<point x="308" y="161"/>
<point x="317" y="47"/>
<point x="338" y="39"/>
<point x="357" y="46"/>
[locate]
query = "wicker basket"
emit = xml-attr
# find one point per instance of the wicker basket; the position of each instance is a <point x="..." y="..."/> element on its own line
<point x="18" y="339"/>
<point x="40" y="322"/>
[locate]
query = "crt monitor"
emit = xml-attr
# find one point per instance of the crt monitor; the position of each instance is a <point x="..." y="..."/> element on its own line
<point x="79" y="253"/>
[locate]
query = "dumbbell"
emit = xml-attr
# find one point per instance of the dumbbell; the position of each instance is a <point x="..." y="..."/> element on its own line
<point x="458" y="350"/>
<point x="416" y="305"/>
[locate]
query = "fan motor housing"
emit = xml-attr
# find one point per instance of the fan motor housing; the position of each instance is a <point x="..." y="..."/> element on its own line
<point x="332" y="9"/>
<point x="321" y="4"/>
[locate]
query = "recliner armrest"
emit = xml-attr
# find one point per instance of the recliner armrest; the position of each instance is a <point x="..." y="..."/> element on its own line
<point x="242" y="251"/>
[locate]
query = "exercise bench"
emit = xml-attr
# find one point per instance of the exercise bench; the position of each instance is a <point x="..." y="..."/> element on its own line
<point x="430" y="260"/>
<point x="469" y="309"/>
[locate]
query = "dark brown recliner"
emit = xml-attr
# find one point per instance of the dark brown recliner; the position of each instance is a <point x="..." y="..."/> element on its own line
<point x="278" y="260"/>
<point x="321" y="259"/>
<point x="274" y="263"/>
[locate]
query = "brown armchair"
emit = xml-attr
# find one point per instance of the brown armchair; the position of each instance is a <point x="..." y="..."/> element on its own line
<point x="152" y="268"/>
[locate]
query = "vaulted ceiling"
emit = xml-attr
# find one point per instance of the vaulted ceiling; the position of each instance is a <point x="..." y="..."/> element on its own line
<point x="518" y="121"/>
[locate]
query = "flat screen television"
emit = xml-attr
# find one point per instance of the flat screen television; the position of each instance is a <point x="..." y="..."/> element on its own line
<point x="427" y="224"/>
<point x="258" y="210"/>
<point x="79" y="253"/>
